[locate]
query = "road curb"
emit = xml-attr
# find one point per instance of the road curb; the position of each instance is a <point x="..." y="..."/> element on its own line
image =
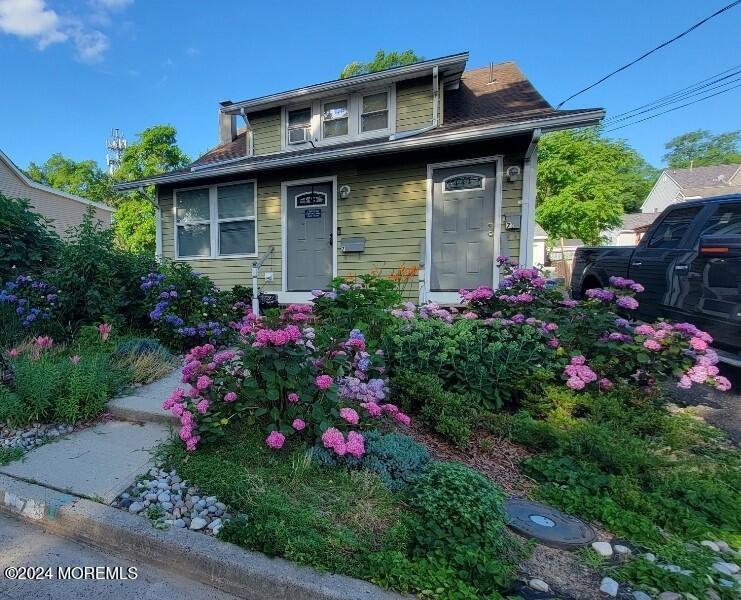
<point x="245" y="574"/>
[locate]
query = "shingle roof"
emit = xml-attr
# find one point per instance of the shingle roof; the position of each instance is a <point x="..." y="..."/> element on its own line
<point x="633" y="221"/>
<point x="704" y="177"/>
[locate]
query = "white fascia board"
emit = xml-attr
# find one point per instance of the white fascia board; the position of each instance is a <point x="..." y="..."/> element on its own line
<point x="412" y="143"/>
<point x="45" y="188"/>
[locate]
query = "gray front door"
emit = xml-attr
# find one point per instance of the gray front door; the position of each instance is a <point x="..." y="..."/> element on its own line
<point x="462" y="227"/>
<point x="309" y="243"/>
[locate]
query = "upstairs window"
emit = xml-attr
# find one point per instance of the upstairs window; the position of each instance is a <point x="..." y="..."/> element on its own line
<point x="299" y="125"/>
<point x="216" y="221"/>
<point x="374" y="112"/>
<point x="335" y="119"/>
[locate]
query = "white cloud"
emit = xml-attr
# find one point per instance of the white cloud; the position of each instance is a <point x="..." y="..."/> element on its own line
<point x="31" y="19"/>
<point x="192" y="51"/>
<point x="34" y="20"/>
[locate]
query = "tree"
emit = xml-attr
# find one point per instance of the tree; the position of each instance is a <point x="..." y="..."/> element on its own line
<point x="84" y="178"/>
<point x="382" y="60"/>
<point x="702" y="148"/>
<point x="586" y="181"/>
<point x="156" y="151"/>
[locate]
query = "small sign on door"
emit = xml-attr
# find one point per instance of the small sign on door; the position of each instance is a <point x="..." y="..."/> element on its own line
<point x="313" y="213"/>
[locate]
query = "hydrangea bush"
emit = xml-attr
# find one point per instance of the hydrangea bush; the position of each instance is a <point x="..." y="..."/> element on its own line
<point x="28" y="301"/>
<point x="282" y="380"/>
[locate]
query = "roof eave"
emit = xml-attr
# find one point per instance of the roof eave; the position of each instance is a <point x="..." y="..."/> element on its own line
<point x="393" y="74"/>
<point x="550" y="123"/>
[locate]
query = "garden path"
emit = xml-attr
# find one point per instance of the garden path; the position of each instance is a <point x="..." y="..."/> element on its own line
<point x="145" y="402"/>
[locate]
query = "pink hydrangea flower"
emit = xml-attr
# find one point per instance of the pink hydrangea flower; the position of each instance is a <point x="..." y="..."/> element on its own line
<point x="355" y="444"/>
<point x="298" y="424"/>
<point x="374" y="410"/>
<point x="202" y="406"/>
<point x="722" y="383"/>
<point x="685" y="383"/>
<point x="332" y="437"/>
<point x="605" y="384"/>
<point x="652" y="345"/>
<point x="230" y="397"/>
<point x="350" y="415"/>
<point x="293" y="398"/>
<point x="575" y="383"/>
<point x="275" y="440"/>
<point x="323" y="382"/>
<point x="203" y="382"/>
<point x="403" y="419"/>
<point x="578" y="360"/>
<point x="698" y="344"/>
<point x="390" y="408"/>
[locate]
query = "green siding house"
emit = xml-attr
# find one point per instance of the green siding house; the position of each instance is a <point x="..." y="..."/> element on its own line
<point x="428" y="164"/>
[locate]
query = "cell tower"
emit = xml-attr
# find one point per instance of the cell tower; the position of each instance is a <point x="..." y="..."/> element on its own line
<point x="116" y="145"/>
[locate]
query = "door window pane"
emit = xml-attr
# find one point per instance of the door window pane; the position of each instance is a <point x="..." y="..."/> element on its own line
<point x="237" y="237"/>
<point x="671" y="230"/>
<point x="236" y="201"/>
<point x="725" y="221"/>
<point x="193" y="205"/>
<point x="194" y="240"/>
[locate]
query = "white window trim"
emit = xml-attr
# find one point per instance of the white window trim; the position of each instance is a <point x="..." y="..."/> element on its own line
<point x="213" y="221"/>
<point x="316" y="137"/>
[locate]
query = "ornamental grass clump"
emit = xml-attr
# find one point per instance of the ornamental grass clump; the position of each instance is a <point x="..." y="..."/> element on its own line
<point x="287" y="384"/>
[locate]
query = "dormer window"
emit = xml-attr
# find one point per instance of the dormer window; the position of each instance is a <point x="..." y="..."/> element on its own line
<point x="299" y="125"/>
<point x="335" y="118"/>
<point x="374" y="112"/>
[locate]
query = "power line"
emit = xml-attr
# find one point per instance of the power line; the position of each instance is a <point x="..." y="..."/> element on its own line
<point x="690" y="89"/>
<point x="673" y="109"/>
<point x="646" y="54"/>
<point x="684" y="96"/>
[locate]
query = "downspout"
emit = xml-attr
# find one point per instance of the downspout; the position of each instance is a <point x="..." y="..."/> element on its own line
<point x="529" y="175"/>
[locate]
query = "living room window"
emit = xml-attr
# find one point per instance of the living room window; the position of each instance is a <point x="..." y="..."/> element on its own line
<point x="216" y="221"/>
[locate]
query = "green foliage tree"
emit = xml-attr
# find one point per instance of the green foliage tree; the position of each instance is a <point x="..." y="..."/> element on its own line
<point x="84" y="178"/>
<point x="702" y="148"/>
<point x="156" y="151"/>
<point x="382" y="60"/>
<point x="586" y="182"/>
<point x="27" y="243"/>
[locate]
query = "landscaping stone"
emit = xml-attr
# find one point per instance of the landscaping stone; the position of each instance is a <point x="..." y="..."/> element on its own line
<point x="620" y="549"/>
<point x="183" y="508"/>
<point x="32" y="436"/>
<point x="669" y="596"/>
<point x="602" y="548"/>
<point x="712" y="545"/>
<point x="609" y="586"/>
<point x="723" y="547"/>
<point x="726" y="568"/>
<point x="641" y="596"/>
<point x="650" y="557"/>
<point x="539" y="585"/>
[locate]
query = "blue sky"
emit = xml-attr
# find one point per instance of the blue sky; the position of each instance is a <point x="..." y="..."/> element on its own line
<point x="79" y="68"/>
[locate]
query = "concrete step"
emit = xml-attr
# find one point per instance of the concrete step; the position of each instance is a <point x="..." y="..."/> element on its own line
<point x="145" y="403"/>
<point x="99" y="462"/>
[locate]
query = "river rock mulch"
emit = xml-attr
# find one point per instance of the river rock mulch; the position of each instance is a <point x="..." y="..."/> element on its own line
<point x="27" y="438"/>
<point x="169" y="501"/>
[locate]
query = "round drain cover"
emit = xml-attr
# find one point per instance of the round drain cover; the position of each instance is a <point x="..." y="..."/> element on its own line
<point x="547" y="525"/>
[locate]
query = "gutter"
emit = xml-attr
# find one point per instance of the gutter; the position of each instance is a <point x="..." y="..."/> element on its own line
<point x="455" y="137"/>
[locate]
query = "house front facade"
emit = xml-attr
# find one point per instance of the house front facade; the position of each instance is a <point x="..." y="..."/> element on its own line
<point x="426" y="164"/>
<point x="64" y="210"/>
<point x="692" y="183"/>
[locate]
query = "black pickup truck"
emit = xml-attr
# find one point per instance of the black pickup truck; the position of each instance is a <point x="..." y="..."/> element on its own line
<point x="689" y="261"/>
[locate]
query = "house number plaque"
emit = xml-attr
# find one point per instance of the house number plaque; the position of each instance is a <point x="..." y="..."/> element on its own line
<point x="313" y="213"/>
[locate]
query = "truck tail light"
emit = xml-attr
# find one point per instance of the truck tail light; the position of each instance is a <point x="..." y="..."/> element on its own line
<point x="713" y="249"/>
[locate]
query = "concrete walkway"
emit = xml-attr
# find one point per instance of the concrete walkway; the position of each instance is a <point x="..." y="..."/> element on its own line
<point x="145" y="402"/>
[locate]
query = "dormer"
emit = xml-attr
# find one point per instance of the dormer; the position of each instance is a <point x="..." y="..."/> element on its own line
<point x="387" y="105"/>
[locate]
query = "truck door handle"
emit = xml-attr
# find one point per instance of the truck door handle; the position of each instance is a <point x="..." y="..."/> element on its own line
<point x="636" y="264"/>
<point x="681" y="267"/>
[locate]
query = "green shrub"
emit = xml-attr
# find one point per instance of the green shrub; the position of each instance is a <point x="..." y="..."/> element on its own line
<point x="450" y="414"/>
<point x="89" y="385"/>
<point x="394" y="457"/>
<point x="40" y="383"/>
<point x="462" y="524"/>
<point x="28" y="244"/>
<point x="496" y="363"/>
<point x="98" y="281"/>
<point x="13" y="411"/>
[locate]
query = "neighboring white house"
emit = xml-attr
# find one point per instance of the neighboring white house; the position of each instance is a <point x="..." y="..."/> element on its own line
<point x="65" y="210"/>
<point x="540" y="252"/>
<point x="631" y="230"/>
<point x="679" y="185"/>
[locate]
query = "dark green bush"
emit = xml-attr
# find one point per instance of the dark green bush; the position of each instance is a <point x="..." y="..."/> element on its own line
<point x="28" y="244"/>
<point x="462" y="524"/>
<point x="496" y="363"/>
<point x="98" y="281"/>
<point x="450" y="414"/>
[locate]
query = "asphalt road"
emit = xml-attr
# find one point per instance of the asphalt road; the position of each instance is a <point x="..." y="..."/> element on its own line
<point x="722" y="409"/>
<point x="23" y="545"/>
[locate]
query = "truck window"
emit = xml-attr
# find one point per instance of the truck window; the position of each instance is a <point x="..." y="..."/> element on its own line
<point x="725" y="221"/>
<point x="671" y="230"/>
